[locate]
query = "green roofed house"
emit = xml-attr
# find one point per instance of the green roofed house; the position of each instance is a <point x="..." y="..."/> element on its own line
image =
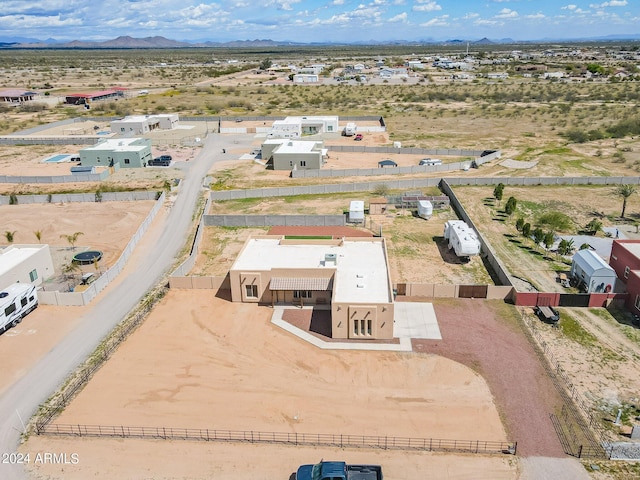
<point x="127" y="152"/>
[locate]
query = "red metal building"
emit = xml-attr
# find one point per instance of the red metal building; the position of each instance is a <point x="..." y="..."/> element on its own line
<point x="625" y="260"/>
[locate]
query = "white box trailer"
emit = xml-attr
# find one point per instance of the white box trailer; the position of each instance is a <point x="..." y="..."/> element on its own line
<point x="592" y="273"/>
<point x="16" y="302"/>
<point x="356" y="211"/>
<point x="425" y="209"/>
<point x="462" y="238"/>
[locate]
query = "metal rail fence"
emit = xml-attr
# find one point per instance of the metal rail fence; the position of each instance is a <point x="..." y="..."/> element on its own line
<point x="588" y="439"/>
<point x="285" y="438"/>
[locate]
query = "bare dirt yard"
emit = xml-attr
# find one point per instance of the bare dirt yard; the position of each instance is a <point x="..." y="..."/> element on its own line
<point x="416" y="247"/>
<point x="212" y="365"/>
<point x="105" y="226"/>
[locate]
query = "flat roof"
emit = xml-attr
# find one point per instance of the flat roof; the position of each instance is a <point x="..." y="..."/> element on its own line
<point x="361" y="274"/>
<point x="12" y="256"/>
<point x="118" y="145"/>
<point x="292" y="146"/>
<point x="633" y="247"/>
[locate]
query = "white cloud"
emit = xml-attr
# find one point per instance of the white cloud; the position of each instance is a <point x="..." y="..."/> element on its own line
<point x="401" y="17"/>
<point x="612" y="3"/>
<point x="535" y="16"/>
<point x="426" y="6"/>
<point x="471" y="15"/>
<point x="507" y="13"/>
<point x="569" y="7"/>
<point x="441" y="21"/>
<point x="337" y="2"/>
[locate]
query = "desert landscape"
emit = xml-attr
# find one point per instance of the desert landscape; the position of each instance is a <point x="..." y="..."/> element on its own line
<point x="200" y="361"/>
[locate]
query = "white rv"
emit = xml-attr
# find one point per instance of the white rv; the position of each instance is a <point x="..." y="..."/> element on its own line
<point x="16" y="301"/>
<point x="462" y="238"/>
<point x="425" y="209"/>
<point x="350" y="130"/>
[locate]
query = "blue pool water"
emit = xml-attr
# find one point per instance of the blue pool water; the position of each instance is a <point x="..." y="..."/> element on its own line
<point x="104" y="133"/>
<point x="57" y="158"/>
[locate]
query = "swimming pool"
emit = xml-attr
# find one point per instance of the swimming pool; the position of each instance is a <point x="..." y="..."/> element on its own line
<point x="61" y="157"/>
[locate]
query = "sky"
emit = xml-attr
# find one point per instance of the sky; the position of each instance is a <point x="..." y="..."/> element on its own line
<point x="318" y="20"/>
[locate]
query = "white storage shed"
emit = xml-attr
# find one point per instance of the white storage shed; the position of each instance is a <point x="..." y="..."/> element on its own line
<point x="592" y="272"/>
<point x="425" y="209"/>
<point x="356" y="211"/>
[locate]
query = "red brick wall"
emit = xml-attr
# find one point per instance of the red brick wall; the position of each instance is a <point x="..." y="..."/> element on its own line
<point x="621" y="258"/>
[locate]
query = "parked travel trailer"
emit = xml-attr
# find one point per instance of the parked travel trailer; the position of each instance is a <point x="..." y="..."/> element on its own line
<point x="16" y="301"/>
<point x="356" y="211"/>
<point x="350" y="130"/>
<point x="425" y="209"/>
<point x="591" y="273"/>
<point x="462" y="238"/>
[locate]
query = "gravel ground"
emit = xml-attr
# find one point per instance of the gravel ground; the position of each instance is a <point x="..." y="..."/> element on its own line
<point x="484" y="336"/>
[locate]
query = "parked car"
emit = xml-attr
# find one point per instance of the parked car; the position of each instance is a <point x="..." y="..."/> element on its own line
<point x="358" y="137"/>
<point x="160" y="162"/>
<point x="165" y="158"/>
<point x="430" y="162"/>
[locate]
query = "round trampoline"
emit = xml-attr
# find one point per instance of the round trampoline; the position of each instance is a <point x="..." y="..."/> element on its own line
<point x="87" y="258"/>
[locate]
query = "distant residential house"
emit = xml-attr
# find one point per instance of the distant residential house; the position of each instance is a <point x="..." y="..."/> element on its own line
<point x="17" y="96"/>
<point x="141" y="124"/>
<point x="306" y="78"/>
<point x="286" y="154"/>
<point x="554" y="75"/>
<point x="85" y="98"/>
<point x="295" y="127"/>
<point x="128" y="152"/>
<point x="416" y="64"/>
<point x="498" y="75"/>
<point x="387" y="72"/>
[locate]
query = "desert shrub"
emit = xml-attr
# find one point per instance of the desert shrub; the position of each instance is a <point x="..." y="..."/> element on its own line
<point x="556" y="221"/>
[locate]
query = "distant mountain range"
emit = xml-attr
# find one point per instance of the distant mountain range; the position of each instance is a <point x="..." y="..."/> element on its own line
<point x="162" y="42"/>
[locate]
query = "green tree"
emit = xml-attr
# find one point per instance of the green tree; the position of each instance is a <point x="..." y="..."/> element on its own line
<point x="526" y="230"/>
<point x="519" y="224"/>
<point x="266" y="64"/>
<point x="549" y="239"/>
<point x="381" y="189"/>
<point x="510" y="206"/>
<point x="624" y="191"/>
<point x="566" y="247"/>
<point x="72" y="239"/>
<point x="538" y="236"/>
<point x="9" y="236"/>
<point x="594" y="226"/>
<point x="498" y="192"/>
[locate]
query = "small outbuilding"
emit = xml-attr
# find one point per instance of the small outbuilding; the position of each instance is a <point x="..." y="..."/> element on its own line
<point x="128" y="152"/>
<point x="25" y="264"/>
<point x="592" y="273"/>
<point x="378" y="206"/>
<point x="387" y="163"/>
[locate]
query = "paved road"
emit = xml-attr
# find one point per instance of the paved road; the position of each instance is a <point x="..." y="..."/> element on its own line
<point x="22" y="399"/>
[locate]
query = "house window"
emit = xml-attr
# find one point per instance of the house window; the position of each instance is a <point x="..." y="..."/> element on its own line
<point x="251" y="291"/>
<point x="369" y="322"/>
<point x="291" y="163"/>
<point x="302" y="294"/>
<point x="329" y="128"/>
<point x="33" y="275"/>
<point x="127" y="161"/>
<point x="626" y="272"/>
<point x="122" y="129"/>
<point x="637" y="303"/>
<point x="303" y="163"/>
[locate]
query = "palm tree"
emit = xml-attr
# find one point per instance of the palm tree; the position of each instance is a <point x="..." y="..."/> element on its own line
<point x="72" y="239"/>
<point x="9" y="235"/>
<point x="566" y="247"/>
<point x="38" y="235"/>
<point x="624" y="191"/>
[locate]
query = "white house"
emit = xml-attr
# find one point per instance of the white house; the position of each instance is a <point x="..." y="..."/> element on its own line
<point x="393" y="73"/>
<point x="25" y="264"/>
<point x="295" y="127"/>
<point x="306" y="78"/>
<point x="141" y="124"/>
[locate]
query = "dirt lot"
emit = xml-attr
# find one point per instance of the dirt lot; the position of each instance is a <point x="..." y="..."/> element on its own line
<point x="106" y="226"/>
<point x="210" y="371"/>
